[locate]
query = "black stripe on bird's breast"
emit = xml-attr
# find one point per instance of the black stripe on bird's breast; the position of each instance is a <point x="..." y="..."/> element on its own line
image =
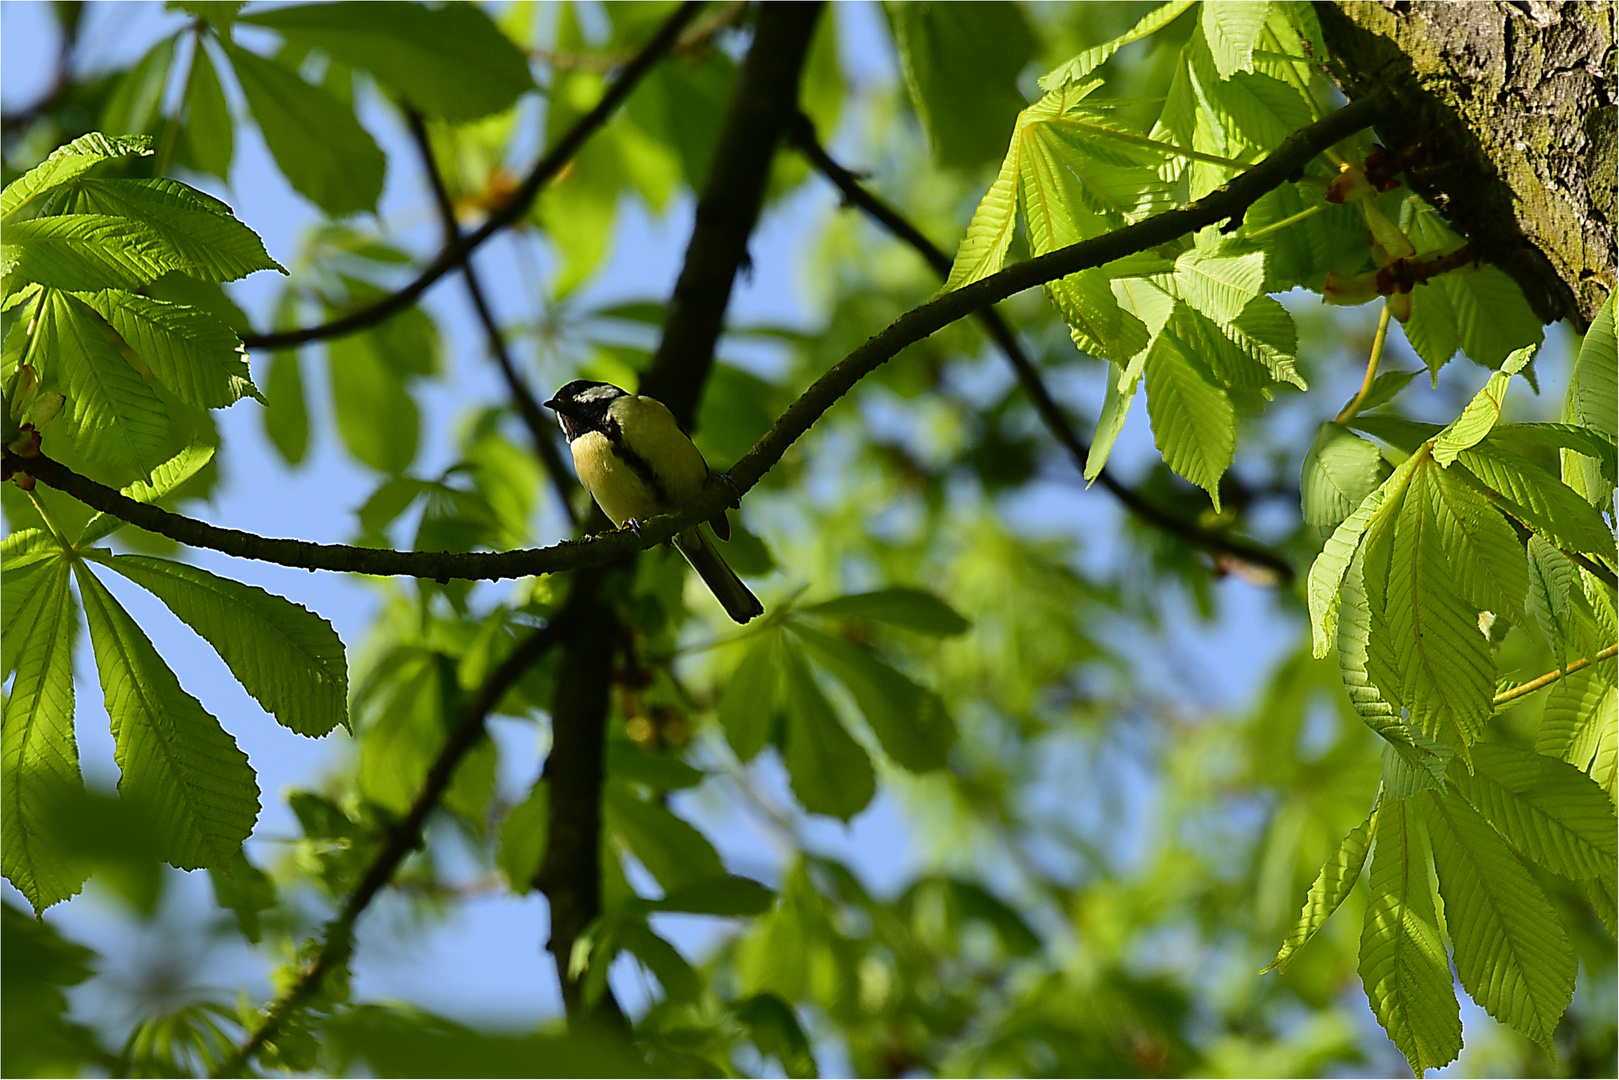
<point x="638" y="464"/>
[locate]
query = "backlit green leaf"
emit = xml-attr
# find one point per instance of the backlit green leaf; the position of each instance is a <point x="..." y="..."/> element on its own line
<point x="207" y="239"/>
<point x="209" y="134"/>
<point x="452" y="62"/>
<point x="1193" y="422"/>
<point x="164" y="479"/>
<point x="1549" y="811"/>
<point x="1340" y="470"/>
<point x="1232" y="30"/>
<point x="111" y="415"/>
<point x="174" y="759"/>
<point x="523" y="838"/>
<point x="288" y="658"/>
<point x="751" y="702"/>
<point x="1329" y="890"/>
<point x="909" y="721"/>
<point x="1402" y="958"/>
<point x="1511" y="952"/>
<point x="830" y="772"/>
<point x="1094" y="57"/>
<point x="321" y="148"/>
<point x="1481" y="413"/>
<point x="669" y="847"/>
<point x="909" y="609"/>
<point x="39" y="756"/>
<point x="195" y="355"/>
<point x="1591" y="402"/>
<point x="69" y="161"/>
<point x="1540" y="500"/>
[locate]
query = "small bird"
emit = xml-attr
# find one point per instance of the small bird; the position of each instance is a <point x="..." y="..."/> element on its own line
<point x="636" y="462"/>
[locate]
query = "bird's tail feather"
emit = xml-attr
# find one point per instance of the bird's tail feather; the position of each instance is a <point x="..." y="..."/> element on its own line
<point x="721" y="580"/>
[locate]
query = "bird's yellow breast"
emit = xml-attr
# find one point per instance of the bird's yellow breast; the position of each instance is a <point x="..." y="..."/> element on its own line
<point x="652" y="469"/>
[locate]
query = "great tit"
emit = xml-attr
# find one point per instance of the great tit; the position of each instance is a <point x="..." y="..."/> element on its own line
<point x="636" y="462"/>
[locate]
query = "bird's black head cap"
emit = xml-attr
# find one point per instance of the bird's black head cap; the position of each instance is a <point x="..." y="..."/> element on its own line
<point x="582" y="405"/>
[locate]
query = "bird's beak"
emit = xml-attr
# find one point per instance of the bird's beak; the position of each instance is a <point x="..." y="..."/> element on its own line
<point x="556" y="405"/>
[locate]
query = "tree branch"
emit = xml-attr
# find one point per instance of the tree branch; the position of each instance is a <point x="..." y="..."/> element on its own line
<point x="763" y="104"/>
<point x="1515" y="692"/>
<point x="1263" y="563"/>
<point x="548" y="166"/>
<point x="404" y="837"/>
<point x="541" y="430"/>
<point x="764" y="97"/>
<point x="1230" y="201"/>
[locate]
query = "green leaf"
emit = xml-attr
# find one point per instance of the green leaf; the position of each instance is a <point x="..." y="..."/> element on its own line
<point x="288" y="658"/>
<point x="1193" y="422"/>
<point x="728" y="896"/>
<point x="909" y="721"/>
<point x="68" y="162"/>
<point x="1329" y="890"/>
<point x="1354" y="635"/>
<point x="1412" y="763"/>
<point x="961" y="64"/>
<point x="84" y="253"/>
<point x="660" y="772"/>
<point x="375" y="414"/>
<point x="671" y="849"/>
<point x="209" y="134"/>
<point x="112" y="416"/>
<point x="38" y="754"/>
<point x="830" y="772"/>
<point x="523" y="838"/>
<point x="1425" y="650"/>
<point x="1581" y="708"/>
<point x="174" y="759"/>
<point x="321" y="148"/>
<point x="1584" y="441"/>
<point x="1328" y="570"/>
<point x="1216" y="285"/>
<point x="1385" y="387"/>
<point x="191" y="353"/>
<point x="244" y="889"/>
<point x="1485" y="555"/>
<point x="1481" y="413"/>
<point x="1551" y="584"/>
<point x="451" y="62"/>
<point x="1549" y="811"/>
<point x="1591" y="403"/>
<point x="206" y="238"/>
<point x="751" y="702"/>
<point x="1088" y="61"/>
<point x="906" y="608"/>
<point x="675" y="974"/>
<point x="1479" y="310"/>
<point x="1340" y="470"/>
<point x="1540" y="500"/>
<point x="134" y="104"/>
<point x="164" y="479"/>
<point x="774" y="1029"/>
<point x="1510" y="949"/>
<point x="286" y="415"/>
<point x="989" y="234"/>
<point x="1232" y="30"/>
<point x="1402" y="959"/>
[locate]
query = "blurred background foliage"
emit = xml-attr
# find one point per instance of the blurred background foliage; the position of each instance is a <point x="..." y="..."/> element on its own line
<point x="1136" y="798"/>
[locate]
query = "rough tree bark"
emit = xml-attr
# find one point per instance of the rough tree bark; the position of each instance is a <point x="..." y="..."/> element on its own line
<point x="1506" y="110"/>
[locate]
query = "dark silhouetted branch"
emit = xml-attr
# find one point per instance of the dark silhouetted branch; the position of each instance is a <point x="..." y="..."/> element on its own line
<point x="403" y="837"/>
<point x="547" y="167"/>
<point x="1229" y="201"/>
<point x="540" y="429"/>
<point x="1226" y="549"/>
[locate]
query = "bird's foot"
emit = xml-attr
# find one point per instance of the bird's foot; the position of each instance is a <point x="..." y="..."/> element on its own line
<point x="632" y="524"/>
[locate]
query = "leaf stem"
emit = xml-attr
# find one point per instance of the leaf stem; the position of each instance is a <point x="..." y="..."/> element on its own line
<point x="1371" y="368"/>
<point x="1550" y="677"/>
<point x="1291" y="219"/>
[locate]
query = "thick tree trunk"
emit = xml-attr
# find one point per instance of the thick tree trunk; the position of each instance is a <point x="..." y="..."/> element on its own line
<point x="1507" y="112"/>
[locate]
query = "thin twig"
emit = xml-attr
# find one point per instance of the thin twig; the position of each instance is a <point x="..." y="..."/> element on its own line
<point x="1513" y="693"/>
<point x="1226" y="549"/>
<point x="1372" y="363"/>
<point x="548" y="166"/>
<point x="528" y="408"/>
<point x="404" y="837"/>
<point x="1229" y="201"/>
